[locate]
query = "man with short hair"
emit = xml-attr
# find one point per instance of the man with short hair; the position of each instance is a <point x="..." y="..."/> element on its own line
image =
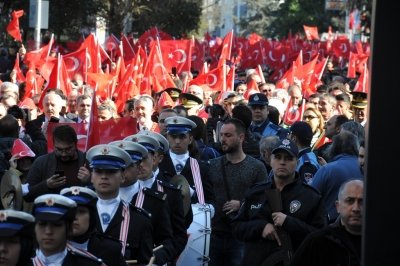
<point x="116" y="218"/>
<point x="161" y="119"/>
<point x="276" y="216"/>
<point x="307" y="166"/>
<point x="261" y="125"/>
<point x="340" y="242"/>
<point x="105" y="112"/>
<point x="43" y="177"/>
<point x="83" y="107"/>
<point x="231" y="175"/>
<point x="144" y="108"/>
<point x="178" y="161"/>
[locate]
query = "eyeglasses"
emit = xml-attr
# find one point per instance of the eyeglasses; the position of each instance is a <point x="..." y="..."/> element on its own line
<point x="64" y="150"/>
<point x="309" y="117"/>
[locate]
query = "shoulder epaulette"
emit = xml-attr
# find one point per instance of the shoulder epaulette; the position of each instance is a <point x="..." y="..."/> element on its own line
<point x="141" y="211"/>
<point x="169" y="185"/>
<point x="154" y="193"/>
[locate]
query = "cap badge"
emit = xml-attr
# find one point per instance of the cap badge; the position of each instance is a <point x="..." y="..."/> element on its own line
<point x="105" y="151"/>
<point x="286" y="142"/>
<point x="121" y="145"/>
<point x="175" y="121"/>
<point x="3" y="216"/>
<point x="49" y="202"/>
<point x="256" y="98"/>
<point x="75" y="191"/>
<point x="294" y="206"/>
<point x="135" y="139"/>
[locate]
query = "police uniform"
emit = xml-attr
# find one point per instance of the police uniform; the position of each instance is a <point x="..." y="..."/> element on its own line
<point x="300" y="202"/>
<point x="153" y="201"/>
<point x="18" y="223"/>
<point x="51" y="208"/>
<point x="181" y="125"/>
<point x="174" y="199"/>
<point x="112" y="215"/>
<point x="266" y="128"/>
<point x="106" y="248"/>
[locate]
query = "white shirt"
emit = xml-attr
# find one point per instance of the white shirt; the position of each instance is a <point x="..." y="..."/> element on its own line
<point x="127" y="193"/>
<point x="107" y="210"/>
<point x="82" y="246"/>
<point x="146" y="183"/>
<point x="179" y="160"/>
<point x="53" y="260"/>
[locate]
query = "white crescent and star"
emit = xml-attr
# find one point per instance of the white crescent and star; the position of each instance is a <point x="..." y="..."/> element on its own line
<point x="183" y="56"/>
<point x="214" y="79"/>
<point x="75" y="63"/>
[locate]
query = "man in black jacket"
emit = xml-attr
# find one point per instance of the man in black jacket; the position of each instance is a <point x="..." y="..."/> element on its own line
<point x="276" y="216"/>
<point x="340" y="242"/>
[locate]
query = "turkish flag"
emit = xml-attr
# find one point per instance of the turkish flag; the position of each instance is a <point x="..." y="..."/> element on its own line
<point x="293" y="113"/>
<point x="176" y="53"/>
<point x="226" y="49"/>
<point x="362" y="84"/>
<point x="17" y="69"/>
<point x="213" y="78"/>
<point x="13" y="26"/>
<point x="311" y="32"/>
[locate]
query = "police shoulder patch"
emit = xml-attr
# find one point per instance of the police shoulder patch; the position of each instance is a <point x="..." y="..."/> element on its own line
<point x="294" y="206"/>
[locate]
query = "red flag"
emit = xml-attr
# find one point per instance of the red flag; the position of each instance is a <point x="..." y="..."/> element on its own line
<point x="293" y="113"/>
<point x="214" y="79"/>
<point x="176" y="53"/>
<point x="18" y="71"/>
<point x="311" y="32"/>
<point x="226" y="49"/>
<point x="362" y="84"/>
<point x="351" y="69"/>
<point x="13" y="26"/>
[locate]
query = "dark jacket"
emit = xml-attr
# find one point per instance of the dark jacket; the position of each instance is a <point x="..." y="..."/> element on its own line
<point x="175" y="202"/>
<point x="331" y="246"/>
<point x="43" y="168"/>
<point x="140" y="242"/>
<point x="300" y="202"/>
<point x="167" y="166"/>
<point x="155" y="203"/>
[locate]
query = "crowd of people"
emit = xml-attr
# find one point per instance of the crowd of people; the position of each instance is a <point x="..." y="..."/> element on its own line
<point x="278" y="193"/>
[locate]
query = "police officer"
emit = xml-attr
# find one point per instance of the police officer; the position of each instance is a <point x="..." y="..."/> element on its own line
<point x="115" y="218"/>
<point x="16" y="241"/>
<point x="152" y="201"/>
<point x="276" y="216"/>
<point x="84" y="235"/>
<point x="178" y="161"/>
<point x="307" y="165"/>
<point x="174" y="194"/>
<point x="54" y="216"/>
<point x="261" y="125"/>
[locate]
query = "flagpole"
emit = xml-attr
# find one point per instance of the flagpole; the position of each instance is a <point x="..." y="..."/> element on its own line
<point x="38" y="23"/>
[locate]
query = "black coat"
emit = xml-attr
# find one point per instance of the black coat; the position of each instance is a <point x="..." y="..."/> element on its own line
<point x="330" y="246"/>
<point x="42" y="169"/>
<point x="106" y="248"/>
<point x="155" y="203"/>
<point x="167" y="166"/>
<point x="301" y="203"/>
<point x="140" y="241"/>
<point x="174" y="199"/>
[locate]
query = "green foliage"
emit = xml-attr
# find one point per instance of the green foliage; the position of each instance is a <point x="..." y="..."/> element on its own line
<point x="176" y="17"/>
